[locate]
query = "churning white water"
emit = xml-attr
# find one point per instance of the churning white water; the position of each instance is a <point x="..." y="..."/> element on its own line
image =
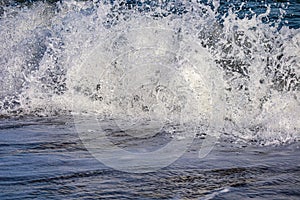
<point x="162" y="63"/>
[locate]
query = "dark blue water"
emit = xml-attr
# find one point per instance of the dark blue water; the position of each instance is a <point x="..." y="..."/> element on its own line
<point x="43" y="157"/>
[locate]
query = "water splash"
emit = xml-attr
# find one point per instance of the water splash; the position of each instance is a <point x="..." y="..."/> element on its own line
<point x="45" y="45"/>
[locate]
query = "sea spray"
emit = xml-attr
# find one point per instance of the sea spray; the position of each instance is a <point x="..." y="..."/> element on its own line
<point x="45" y="45"/>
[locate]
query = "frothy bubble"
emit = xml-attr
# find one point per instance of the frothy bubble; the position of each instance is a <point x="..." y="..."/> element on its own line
<point x="160" y="81"/>
<point x="44" y="48"/>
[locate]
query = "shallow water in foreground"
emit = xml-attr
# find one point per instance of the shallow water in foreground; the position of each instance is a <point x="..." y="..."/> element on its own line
<point x="43" y="158"/>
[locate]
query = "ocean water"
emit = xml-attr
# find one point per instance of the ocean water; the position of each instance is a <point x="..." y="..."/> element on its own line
<point x="149" y="99"/>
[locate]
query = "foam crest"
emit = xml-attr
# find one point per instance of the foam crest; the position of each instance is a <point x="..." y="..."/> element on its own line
<point x="80" y="57"/>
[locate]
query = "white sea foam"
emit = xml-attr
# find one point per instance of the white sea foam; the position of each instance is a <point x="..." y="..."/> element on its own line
<point x="81" y="56"/>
